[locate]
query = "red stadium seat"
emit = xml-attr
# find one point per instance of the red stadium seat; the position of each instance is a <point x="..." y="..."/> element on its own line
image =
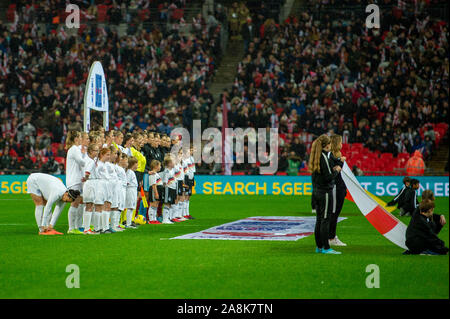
<point x="60" y="160"/>
<point x="177" y="14"/>
<point x="102" y="13"/>
<point x="238" y="173"/>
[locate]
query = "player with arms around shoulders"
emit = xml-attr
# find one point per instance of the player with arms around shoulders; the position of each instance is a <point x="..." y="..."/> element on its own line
<point x="46" y="191"/>
<point x="75" y="161"/>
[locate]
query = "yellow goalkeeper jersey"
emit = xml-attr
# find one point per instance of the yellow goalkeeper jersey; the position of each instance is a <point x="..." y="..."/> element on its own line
<point x="142" y="161"/>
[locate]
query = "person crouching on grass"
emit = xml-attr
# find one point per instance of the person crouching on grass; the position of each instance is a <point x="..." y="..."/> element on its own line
<point x="398" y="199"/>
<point x="421" y="237"/>
<point x="46" y="191"/>
<point x="323" y="181"/>
<point x="154" y="180"/>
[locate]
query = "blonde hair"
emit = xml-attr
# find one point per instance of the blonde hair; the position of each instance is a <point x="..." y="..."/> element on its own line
<point x="154" y="163"/>
<point x="316" y="151"/>
<point x="167" y="159"/>
<point x="70" y="140"/>
<point x="336" y="141"/>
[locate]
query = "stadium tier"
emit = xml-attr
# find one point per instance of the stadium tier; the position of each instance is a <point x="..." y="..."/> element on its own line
<point x="318" y="71"/>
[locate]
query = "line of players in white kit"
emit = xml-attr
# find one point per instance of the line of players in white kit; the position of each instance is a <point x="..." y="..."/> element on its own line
<point x="104" y="177"/>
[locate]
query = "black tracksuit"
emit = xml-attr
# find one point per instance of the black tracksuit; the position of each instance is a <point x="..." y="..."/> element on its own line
<point x="398" y="199"/>
<point x="323" y="184"/>
<point x="339" y="193"/>
<point x="421" y="234"/>
<point x="409" y="201"/>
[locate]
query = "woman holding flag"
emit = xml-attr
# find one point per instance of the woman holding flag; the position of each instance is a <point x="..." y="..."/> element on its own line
<point x="323" y="181"/>
<point x="339" y="190"/>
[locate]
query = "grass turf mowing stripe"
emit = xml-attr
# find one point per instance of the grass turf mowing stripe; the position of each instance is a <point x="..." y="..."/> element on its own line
<point x="138" y="264"/>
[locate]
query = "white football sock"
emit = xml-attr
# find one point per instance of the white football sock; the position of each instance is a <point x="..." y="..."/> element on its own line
<point x="38" y="211"/>
<point x="95" y="220"/>
<point x="154" y="213"/>
<point x="79" y="219"/>
<point x="116" y="218"/>
<point x="71" y="217"/>
<point x="166" y="213"/>
<point x="187" y="208"/>
<point x="129" y="216"/>
<point x="87" y="216"/>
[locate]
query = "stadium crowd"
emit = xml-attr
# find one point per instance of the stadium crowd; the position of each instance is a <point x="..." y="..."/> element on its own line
<point x="323" y="71"/>
<point x="156" y="80"/>
<point x="313" y="73"/>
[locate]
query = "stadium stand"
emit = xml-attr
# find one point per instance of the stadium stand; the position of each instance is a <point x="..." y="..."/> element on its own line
<point x="318" y="71"/>
<point x="322" y="71"/>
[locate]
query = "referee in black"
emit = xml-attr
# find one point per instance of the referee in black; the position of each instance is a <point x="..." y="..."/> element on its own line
<point x="323" y="180"/>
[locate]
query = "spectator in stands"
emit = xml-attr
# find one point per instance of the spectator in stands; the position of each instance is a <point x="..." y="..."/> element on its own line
<point x="51" y="167"/>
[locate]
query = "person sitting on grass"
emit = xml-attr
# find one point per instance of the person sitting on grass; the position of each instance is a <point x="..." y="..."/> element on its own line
<point x="438" y="221"/>
<point x="420" y="235"/>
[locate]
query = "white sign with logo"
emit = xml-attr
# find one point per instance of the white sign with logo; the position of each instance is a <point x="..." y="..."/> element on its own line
<point x="96" y="95"/>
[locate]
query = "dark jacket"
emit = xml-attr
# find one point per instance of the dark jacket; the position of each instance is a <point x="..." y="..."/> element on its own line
<point x="399" y="198"/>
<point x="420" y="236"/>
<point x="409" y="202"/>
<point x="325" y="180"/>
<point x="340" y="184"/>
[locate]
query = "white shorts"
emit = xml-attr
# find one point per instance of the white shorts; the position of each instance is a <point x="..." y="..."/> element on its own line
<point x="32" y="187"/>
<point x="131" y="198"/>
<point x="117" y="188"/>
<point x="101" y="192"/>
<point x="89" y="191"/>
<point x="122" y="197"/>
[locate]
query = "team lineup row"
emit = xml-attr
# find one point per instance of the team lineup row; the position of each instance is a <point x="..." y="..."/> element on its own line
<point x="104" y="173"/>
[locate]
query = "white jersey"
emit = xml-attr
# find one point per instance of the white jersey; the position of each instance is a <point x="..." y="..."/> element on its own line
<point x="168" y="178"/>
<point x="74" y="167"/>
<point x="51" y="189"/>
<point x="154" y="179"/>
<point x="102" y="171"/>
<point x="121" y="175"/>
<point x="110" y="167"/>
<point x="179" y="173"/>
<point x="131" y="179"/>
<point x="191" y="167"/>
<point x="90" y="168"/>
<point x="185" y="165"/>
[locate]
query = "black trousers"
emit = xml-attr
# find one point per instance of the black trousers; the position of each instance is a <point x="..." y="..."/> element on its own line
<point x="324" y="210"/>
<point x="339" y="194"/>
<point x="313" y="202"/>
<point x="419" y="245"/>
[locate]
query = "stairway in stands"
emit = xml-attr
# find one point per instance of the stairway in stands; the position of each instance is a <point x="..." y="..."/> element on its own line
<point x="436" y="165"/>
<point x="226" y="72"/>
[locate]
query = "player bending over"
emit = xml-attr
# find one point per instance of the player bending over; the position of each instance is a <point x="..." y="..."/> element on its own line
<point x="46" y="191"/>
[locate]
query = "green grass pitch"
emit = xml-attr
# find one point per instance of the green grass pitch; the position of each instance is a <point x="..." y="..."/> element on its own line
<point x="143" y="263"/>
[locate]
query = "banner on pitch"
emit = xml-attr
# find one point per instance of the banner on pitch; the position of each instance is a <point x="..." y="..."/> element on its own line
<point x="383" y="221"/>
<point x="289" y="228"/>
